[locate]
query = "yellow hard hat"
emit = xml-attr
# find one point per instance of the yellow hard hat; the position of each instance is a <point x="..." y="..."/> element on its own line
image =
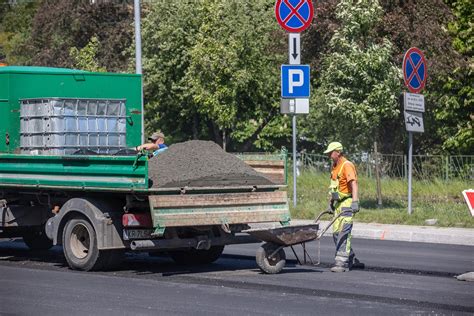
<point x="333" y="146"/>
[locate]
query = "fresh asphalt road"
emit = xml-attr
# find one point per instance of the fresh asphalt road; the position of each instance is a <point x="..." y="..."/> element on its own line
<point x="400" y="278"/>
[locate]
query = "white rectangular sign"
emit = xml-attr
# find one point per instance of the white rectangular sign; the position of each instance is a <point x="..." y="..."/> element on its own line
<point x="414" y="122"/>
<point x="294" y="106"/>
<point x="414" y="102"/>
<point x="294" y="49"/>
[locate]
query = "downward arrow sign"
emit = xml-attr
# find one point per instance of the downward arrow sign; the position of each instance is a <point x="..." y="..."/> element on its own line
<point x="295" y="54"/>
<point x="294" y="48"/>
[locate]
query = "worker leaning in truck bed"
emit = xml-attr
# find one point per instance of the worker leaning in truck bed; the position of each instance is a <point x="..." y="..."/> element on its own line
<point x="156" y="144"/>
<point x="344" y="197"/>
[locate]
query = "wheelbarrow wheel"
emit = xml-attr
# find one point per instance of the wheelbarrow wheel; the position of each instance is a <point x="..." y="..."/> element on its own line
<point x="270" y="265"/>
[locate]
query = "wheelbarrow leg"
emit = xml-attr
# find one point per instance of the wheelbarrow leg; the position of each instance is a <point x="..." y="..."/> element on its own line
<point x="296" y="256"/>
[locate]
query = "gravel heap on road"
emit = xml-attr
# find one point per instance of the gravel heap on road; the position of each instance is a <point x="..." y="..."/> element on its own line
<point x="198" y="163"/>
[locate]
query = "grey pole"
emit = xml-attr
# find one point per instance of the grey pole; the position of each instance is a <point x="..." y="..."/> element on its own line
<point x="138" y="58"/>
<point x="410" y="165"/>
<point x="294" y="159"/>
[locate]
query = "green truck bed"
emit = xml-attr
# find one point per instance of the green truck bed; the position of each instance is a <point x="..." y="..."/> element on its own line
<point x="170" y="207"/>
<point x="86" y="173"/>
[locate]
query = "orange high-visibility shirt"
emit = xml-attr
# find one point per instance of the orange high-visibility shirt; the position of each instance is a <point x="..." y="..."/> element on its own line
<point x="347" y="175"/>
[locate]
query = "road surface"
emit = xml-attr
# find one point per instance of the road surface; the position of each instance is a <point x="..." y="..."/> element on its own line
<point x="400" y="278"/>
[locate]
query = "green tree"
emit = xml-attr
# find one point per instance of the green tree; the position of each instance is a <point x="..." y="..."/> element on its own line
<point x="59" y="25"/>
<point x="86" y="57"/>
<point x="359" y="84"/>
<point x="430" y="19"/>
<point x="211" y="71"/>
<point x="15" y="32"/>
<point x="456" y="113"/>
<point x="169" y="32"/>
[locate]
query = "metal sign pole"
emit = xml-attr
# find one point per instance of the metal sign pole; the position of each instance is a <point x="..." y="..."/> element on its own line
<point x="138" y="59"/>
<point x="413" y="103"/>
<point x="410" y="165"/>
<point x="294" y="159"/>
<point x="295" y="81"/>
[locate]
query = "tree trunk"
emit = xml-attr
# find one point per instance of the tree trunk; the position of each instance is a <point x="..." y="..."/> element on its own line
<point x="224" y="140"/>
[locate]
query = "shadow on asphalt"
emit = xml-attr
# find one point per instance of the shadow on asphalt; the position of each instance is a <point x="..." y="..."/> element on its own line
<point x="17" y="251"/>
<point x="141" y="264"/>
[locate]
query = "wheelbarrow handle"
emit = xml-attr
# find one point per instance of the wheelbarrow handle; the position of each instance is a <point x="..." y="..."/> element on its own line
<point x="345" y="212"/>
<point x="322" y="213"/>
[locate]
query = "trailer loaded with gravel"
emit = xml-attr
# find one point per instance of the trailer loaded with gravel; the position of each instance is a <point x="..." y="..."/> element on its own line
<point x="68" y="177"/>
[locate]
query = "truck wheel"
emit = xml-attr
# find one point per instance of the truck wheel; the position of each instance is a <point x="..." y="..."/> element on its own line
<point x="38" y="241"/>
<point x="270" y="265"/>
<point x="195" y="256"/>
<point x="80" y="246"/>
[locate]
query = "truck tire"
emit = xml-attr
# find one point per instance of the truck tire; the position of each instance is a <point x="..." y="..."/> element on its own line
<point x="195" y="256"/>
<point x="80" y="246"/>
<point x="271" y="265"/>
<point x="37" y="240"/>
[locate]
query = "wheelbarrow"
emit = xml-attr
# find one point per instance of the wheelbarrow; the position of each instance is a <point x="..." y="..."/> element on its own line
<point x="271" y="257"/>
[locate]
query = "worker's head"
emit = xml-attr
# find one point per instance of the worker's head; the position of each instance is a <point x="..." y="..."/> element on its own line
<point x="334" y="150"/>
<point x="157" y="138"/>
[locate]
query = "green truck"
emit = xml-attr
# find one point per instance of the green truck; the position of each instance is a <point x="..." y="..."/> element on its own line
<point x="67" y="177"/>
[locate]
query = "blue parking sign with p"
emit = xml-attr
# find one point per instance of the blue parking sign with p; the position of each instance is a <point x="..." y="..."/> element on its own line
<point x="294" y="81"/>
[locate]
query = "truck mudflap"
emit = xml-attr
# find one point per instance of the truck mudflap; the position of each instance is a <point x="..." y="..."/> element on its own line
<point x="180" y="210"/>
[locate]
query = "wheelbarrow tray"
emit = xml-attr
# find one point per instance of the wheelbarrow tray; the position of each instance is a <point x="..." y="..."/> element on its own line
<point x="287" y="235"/>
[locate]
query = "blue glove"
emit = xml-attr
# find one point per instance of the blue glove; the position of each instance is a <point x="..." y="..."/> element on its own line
<point x="355" y="206"/>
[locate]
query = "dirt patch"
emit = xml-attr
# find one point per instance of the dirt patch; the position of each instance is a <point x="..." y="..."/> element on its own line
<point x="200" y="163"/>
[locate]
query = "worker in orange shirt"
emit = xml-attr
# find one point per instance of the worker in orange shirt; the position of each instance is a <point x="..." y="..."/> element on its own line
<point x="344" y="199"/>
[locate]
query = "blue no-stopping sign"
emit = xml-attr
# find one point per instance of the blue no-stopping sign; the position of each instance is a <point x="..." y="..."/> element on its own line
<point x="294" y="15"/>
<point x="414" y="70"/>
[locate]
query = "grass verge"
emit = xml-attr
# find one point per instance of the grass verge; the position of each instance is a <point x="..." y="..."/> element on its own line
<point x="430" y="199"/>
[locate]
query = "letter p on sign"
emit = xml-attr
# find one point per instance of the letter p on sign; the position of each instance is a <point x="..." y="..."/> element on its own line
<point x="295" y="81"/>
<point x="296" y="78"/>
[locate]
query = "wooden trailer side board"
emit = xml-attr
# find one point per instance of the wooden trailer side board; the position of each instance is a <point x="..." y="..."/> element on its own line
<point x="218" y="208"/>
<point x="274" y="170"/>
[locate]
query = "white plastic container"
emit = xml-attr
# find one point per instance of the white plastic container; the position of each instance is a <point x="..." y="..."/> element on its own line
<point x="63" y="126"/>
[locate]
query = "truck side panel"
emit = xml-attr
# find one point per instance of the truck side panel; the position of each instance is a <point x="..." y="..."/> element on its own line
<point x="218" y="208"/>
<point x="18" y="83"/>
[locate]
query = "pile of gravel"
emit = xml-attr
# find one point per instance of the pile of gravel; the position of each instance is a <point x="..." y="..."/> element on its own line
<point x="198" y="163"/>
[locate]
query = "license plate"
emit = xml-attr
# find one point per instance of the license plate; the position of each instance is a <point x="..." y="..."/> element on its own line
<point x="137" y="234"/>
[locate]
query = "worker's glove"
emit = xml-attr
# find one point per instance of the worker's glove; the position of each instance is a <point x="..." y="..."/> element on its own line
<point x="355" y="206"/>
<point x="331" y="207"/>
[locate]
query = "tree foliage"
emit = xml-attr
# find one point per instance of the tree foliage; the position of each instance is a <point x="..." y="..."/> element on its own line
<point x="456" y="116"/>
<point x="359" y="85"/>
<point x="219" y="74"/>
<point x="43" y="32"/>
<point x="423" y="24"/>
<point x="86" y="57"/>
<point x="211" y="67"/>
<point x="15" y="31"/>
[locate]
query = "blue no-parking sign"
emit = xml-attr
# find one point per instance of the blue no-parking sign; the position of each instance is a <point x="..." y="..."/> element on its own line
<point x="294" y="81"/>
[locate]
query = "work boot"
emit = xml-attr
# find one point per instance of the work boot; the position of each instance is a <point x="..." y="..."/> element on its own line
<point x="341" y="264"/>
<point x="337" y="268"/>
